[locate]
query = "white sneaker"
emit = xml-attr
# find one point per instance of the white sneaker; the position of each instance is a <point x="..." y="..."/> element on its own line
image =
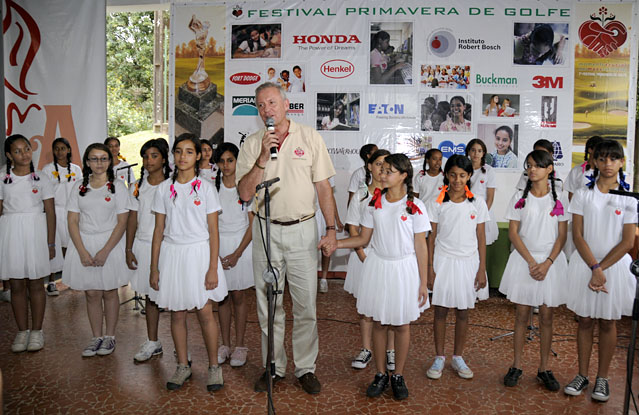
<point x="93" y="347"/>
<point x="5" y="296"/>
<point x="436" y="370"/>
<point x="362" y="359"/>
<point x="223" y="353"/>
<point x="323" y="285"/>
<point x="20" y="342"/>
<point x="462" y="369"/>
<point x="215" y="380"/>
<point x="238" y="358"/>
<point x="149" y="348"/>
<point x="36" y="341"/>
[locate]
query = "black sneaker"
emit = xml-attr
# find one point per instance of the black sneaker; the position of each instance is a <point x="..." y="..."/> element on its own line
<point x="512" y="377"/>
<point x="378" y="386"/>
<point x="548" y="379"/>
<point x="400" y="391"/>
<point x="52" y="290"/>
<point x="578" y="384"/>
<point x="601" y="392"/>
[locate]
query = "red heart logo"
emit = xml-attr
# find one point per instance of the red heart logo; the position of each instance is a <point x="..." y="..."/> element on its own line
<point x="197" y="202"/>
<point x="618" y="212"/>
<point x="122" y="177"/>
<point x="404" y="218"/>
<point x="440" y="187"/>
<point x="108" y="199"/>
<point x="237" y="12"/>
<point x="481" y="181"/>
<point x="34" y="191"/>
<point x="472" y="216"/>
<point x="602" y="40"/>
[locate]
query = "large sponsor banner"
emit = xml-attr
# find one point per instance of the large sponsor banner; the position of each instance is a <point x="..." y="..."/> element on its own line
<point x="55" y="73"/>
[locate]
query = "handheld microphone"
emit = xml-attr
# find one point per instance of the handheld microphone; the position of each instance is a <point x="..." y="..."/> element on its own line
<point x="270" y="126"/>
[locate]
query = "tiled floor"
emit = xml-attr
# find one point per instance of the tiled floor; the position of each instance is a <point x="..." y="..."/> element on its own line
<point x="58" y="380"/>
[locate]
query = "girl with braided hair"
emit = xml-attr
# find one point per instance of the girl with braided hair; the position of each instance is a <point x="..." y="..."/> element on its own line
<point x="27" y="225"/>
<point x="236" y="222"/>
<point x="601" y="288"/>
<point x="457" y="253"/>
<point x="578" y="176"/>
<point x="360" y="179"/>
<point x="95" y="261"/>
<point x="395" y="292"/>
<point x="430" y="180"/>
<point x="139" y="232"/>
<point x="535" y="275"/>
<point x="121" y="171"/>
<point x="63" y="175"/>
<point x="186" y="271"/>
<point x="547" y="146"/>
<point x="208" y="169"/>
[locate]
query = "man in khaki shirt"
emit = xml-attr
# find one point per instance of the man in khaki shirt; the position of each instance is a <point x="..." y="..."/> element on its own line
<point x="304" y="167"/>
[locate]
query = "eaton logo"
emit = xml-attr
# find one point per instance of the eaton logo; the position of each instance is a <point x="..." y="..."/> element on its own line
<point x="448" y="148"/>
<point x="557" y="153"/>
<point x="386" y="109"/>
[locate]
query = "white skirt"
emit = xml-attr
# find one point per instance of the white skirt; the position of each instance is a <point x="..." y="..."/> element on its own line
<point x="183" y="269"/>
<point x="113" y="274"/>
<point x="520" y="288"/>
<point x="61" y="226"/>
<point x="569" y="246"/>
<point x="353" y="280"/>
<point x="240" y="277"/>
<point x="140" y="277"/>
<point x="454" y="285"/>
<point x="391" y="290"/>
<point x="24" y="252"/>
<point x="491" y="229"/>
<point x="57" y="263"/>
<point x="620" y="284"/>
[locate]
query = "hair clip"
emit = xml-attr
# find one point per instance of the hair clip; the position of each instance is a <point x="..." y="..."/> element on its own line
<point x="195" y="186"/>
<point x="413" y="207"/>
<point x="173" y="192"/>
<point x="469" y="194"/>
<point x="442" y="194"/>
<point x="7" y="179"/>
<point x="109" y="186"/>
<point x="68" y="176"/>
<point x="623" y="183"/>
<point x="377" y="198"/>
<point x="34" y="176"/>
<point x="558" y="210"/>
<point x="520" y="203"/>
<point x="591" y="180"/>
<point x="583" y="166"/>
<point x="55" y="174"/>
<point x="83" y="188"/>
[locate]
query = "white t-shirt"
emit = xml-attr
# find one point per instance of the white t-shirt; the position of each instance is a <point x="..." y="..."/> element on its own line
<point x="186" y="214"/>
<point x="297" y="84"/>
<point x="234" y="217"/>
<point x="427" y="186"/>
<point x="62" y="187"/>
<point x="209" y="174"/>
<point x="577" y="178"/>
<point x="360" y="200"/>
<point x="25" y="195"/>
<point x="121" y="173"/>
<point x="523" y="179"/>
<point x="395" y="228"/>
<point x="142" y="205"/>
<point x="537" y="229"/>
<point x="457" y="226"/>
<point x="358" y="180"/>
<point x="98" y="208"/>
<point x="604" y="215"/>
<point x="480" y="182"/>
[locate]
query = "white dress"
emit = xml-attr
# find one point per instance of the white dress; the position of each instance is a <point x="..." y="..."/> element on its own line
<point x="353" y="217"/>
<point x="456" y="257"/>
<point x="120" y="172"/>
<point x="603" y="218"/>
<point x="185" y="252"/>
<point x="538" y="231"/>
<point x="98" y="210"/>
<point x="233" y="223"/>
<point x="358" y="180"/>
<point x="143" y="235"/>
<point x="209" y="174"/>
<point x="390" y="294"/>
<point x="62" y="181"/>
<point x="24" y="252"/>
<point x="427" y="186"/>
<point x="577" y="179"/>
<point x="480" y="183"/>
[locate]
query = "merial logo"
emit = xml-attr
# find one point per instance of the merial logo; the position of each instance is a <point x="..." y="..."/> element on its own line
<point x="393" y="109"/>
<point x="495" y="80"/>
<point x="244" y="106"/>
<point x="315" y="39"/>
<point x="448" y="148"/>
<point x="245" y="78"/>
<point x="337" y="69"/>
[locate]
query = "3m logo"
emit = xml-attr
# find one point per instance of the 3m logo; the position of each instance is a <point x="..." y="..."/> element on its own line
<point x="337" y="69"/>
<point x="548" y="82"/>
<point x="245" y="78"/>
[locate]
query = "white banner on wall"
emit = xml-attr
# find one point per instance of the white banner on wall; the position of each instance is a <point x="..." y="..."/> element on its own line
<point x="55" y="73"/>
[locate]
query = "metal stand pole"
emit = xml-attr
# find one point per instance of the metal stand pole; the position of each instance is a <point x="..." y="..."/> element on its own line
<point x="532" y="332"/>
<point x="270" y="276"/>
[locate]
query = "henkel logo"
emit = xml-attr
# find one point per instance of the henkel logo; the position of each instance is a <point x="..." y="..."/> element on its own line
<point x="245" y="78"/>
<point x="394" y="109"/>
<point x="315" y="39"/>
<point x="448" y="148"/>
<point x="606" y="39"/>
<point x="337" y="68"/>
<point x="548" y="82"/>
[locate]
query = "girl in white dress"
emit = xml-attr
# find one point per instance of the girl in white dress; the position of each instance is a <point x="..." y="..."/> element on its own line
<point x="535" y="275"/>
<point x="457" y="246"/>
<point x="430" y="180"/>
<point x="395" y="293"/>
<point x="139" y="233"/>
<point x="357" y="180"/>
<point x="186" y="271"/>
<point x="354" y="277"/>
<point x="546" y="146"/>
<point x="601" y="287"/>
<point x="27" y="225"/>
<point x="120" y="170"/>
<point x="95" y="260"/>
<point x="235" y="226"/>
<point x="63" y="175"/>
<point x="208" y="169"/>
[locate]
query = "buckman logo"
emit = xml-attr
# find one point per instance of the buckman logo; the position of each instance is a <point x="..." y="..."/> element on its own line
<point x="606" y="39"/>
<point x="237" y="12"/>
<point x="315" y="39"/>
<point x="299" y="152"/>
<point x="245" y="78"/>
<point x="337" y="69"/>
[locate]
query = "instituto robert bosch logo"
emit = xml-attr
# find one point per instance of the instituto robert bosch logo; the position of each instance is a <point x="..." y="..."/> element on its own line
<point x="603" y="39"/>
<point x="244" y="106"/>
<point x="296" y="109"/>
<point x="337" y="68"/>
<point x="245" y="78"/>
<point x="448" y="148"/>
<point x="441" y="43"/>
<point x="237" y="12"/>
<point x="548" y="81"/>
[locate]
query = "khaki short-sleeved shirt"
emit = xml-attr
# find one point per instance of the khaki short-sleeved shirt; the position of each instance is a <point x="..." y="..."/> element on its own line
<point x="302" y="161"/>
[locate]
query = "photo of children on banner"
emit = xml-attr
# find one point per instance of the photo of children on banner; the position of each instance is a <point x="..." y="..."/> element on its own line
<point x="391" y="57"/>
<point x="338" y="112"/>
<point x="446" y="112"/>
<point x="256" y="41"/>
<point x="501" y="144"/>
<point x="549" y="111"/>
<point x="445" y="76"/>
<point x="289" y="77"/>
<point x="502" y="105"/>
<point x="540" y="43"/>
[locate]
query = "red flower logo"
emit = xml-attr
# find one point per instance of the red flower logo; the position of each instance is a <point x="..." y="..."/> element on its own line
<point x="618" y="212"/>
<point x="299" y="152"/>
<point x="404" y="217"/>
<point x="34" y="191"/>
<point x="197" y="202"/>
<point x="472" y="216"/>
<point x="108" y="199"/>
<point x="481" y="181"/>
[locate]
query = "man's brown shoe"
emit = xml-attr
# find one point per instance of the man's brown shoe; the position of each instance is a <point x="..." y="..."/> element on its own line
<point x="310" y="383"/>
<point x="261" y="384"/>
